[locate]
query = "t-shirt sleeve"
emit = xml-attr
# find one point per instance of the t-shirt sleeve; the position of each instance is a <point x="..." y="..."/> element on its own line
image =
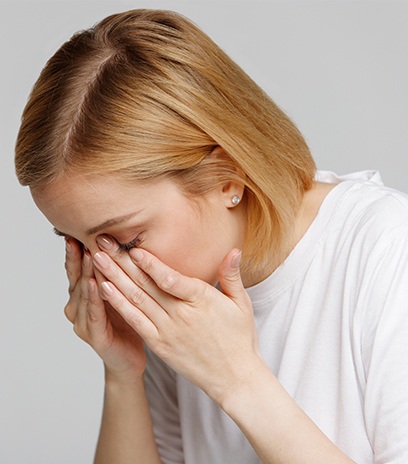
<point x="161" y="388"/>
<point x="384" y="346"/>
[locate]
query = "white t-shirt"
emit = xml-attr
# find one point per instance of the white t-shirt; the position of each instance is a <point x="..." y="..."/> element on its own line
<point x="333" y="327"/>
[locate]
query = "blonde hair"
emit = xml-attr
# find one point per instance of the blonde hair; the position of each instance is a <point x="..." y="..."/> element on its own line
<point x="145" y="94"/>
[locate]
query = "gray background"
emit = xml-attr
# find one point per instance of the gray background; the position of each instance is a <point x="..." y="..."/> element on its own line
<point x="338" y="68"/>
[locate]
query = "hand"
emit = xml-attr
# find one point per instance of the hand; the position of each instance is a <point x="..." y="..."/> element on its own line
<point x="206" y="336"/>
<point x="96" y="322"/>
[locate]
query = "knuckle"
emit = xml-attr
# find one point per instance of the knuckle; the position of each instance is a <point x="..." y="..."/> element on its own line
<point x="143" y="279"/>
<point x="233" y="280"/>
<point x="164" y="350"/>
<point x="168" y="282"/>
<point x="183" y="315"/>
<point x="70" y="273"/>
<point x="233" y="277"/>
<point x="136" y="296"/>
<point x="91" y="317"/>
<point x="69" y="312"/>
<point x="69" y="263"/>
<point x="135" y="320"/>
<point x="83" y="300"/>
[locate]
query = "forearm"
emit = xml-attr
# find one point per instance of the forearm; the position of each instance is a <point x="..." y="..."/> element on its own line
<point x="126" y="435"/>
<point x="279" y="431"/>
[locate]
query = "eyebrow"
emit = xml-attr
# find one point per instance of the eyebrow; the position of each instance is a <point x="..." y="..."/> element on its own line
<point x="104" y="225"/>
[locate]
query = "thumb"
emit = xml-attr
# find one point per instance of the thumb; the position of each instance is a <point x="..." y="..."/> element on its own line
<point x="229" y="276"/>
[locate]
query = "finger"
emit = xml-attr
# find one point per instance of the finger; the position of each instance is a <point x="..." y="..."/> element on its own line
<point x="99" y="279"/>
<point x="166" y="278"/>
<point x="71" y="308"/>
<point x="136" y="318"/>
<point x="96" y="314"/>
<point x="73" y="262"/>
<point x="230" y="278"/>
<point x="80" y="322"/>
<point x="136" y="295"/>
<point x="108" y="245"/>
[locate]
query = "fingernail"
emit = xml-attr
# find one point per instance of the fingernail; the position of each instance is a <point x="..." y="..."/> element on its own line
<point x="106" y="288"/>
<point x="236" y="259"/>
<point x="68" y="246"/>
<point x="136" y="254"/>
<point x="105" y="242"/>
<point x="101" y="260"/>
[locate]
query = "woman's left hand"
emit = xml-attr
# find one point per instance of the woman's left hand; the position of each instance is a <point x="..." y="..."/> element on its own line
<point x="205" y="335"/>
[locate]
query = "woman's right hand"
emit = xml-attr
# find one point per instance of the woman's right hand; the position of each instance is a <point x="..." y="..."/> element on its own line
<point x="96" y="322"/>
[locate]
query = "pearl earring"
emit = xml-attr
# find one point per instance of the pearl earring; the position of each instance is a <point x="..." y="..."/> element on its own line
<point x="235" y="200"/>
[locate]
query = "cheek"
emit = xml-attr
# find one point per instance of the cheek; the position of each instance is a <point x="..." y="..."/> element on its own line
<point x="188" y="253"/>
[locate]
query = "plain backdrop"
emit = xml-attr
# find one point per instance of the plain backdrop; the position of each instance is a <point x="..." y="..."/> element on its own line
<point x="338" y="68"/>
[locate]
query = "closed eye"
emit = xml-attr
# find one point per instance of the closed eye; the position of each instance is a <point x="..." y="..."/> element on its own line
<point x="132" y="244"/>
<point x="122" y="246"/>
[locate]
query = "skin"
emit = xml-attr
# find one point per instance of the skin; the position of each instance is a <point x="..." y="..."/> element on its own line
<point x="163" y="293"/>
<point x="189" y="239"/>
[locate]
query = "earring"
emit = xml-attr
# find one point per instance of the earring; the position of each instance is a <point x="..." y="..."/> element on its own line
<point x="235" y="200"/>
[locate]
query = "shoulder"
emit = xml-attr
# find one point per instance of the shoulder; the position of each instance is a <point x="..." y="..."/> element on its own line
<point x="367" y="239"/>
<point x="368" y="209"/>
<point x="370" y="230"/>
<point x="366" y="228"/>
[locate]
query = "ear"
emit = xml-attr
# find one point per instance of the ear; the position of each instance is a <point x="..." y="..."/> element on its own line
<point x="232" y="194"/>
<point x="232" y="191"/>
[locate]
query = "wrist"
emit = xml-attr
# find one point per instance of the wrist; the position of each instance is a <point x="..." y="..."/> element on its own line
<point x="242" y="386"/>
<point x="239" y="397"/>
<point x="265" y="413"/>
<point x="123" y="378"/>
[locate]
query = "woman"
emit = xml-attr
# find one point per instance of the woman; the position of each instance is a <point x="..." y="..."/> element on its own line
<point x="178" y="184"/>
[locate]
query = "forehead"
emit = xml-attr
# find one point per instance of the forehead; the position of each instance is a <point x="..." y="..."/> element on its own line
<point x="78" y="203"/>
<point x="80" y="192"/>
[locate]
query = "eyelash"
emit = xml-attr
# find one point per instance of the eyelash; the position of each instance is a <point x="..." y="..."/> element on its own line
<point x="129" y="245"/>
<point x="122" y="246"/>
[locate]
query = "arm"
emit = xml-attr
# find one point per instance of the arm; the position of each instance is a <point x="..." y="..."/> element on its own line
<point x="279" y="431"/>
<point x="383" y="328"/>
<point x="173" y="313"/>
<point x="126" y="434"/>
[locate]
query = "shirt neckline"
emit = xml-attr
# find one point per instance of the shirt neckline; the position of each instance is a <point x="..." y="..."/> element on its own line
<point x="299" y="258"/>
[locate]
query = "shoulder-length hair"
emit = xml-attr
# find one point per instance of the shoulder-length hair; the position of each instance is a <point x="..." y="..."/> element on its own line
<point x="145" y="94"/>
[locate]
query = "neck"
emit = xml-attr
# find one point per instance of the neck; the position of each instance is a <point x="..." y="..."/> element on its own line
<point x="309" y="207"/>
